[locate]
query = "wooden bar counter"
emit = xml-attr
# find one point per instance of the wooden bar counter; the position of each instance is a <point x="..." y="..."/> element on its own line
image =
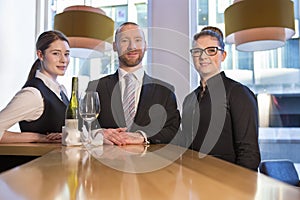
<point x="27" y="149"/>
<point x="134" y="172"/>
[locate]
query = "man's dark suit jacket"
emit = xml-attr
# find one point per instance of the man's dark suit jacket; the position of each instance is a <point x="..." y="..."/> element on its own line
<point x="157" y="114"/>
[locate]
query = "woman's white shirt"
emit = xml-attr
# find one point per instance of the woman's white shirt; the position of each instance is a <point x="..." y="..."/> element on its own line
<point x="27" y="104"/>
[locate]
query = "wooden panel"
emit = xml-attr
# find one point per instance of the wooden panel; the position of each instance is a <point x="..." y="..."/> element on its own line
<point x="27" y="149"/>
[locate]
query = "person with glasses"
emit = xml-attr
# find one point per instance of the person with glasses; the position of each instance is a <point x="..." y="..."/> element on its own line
<point x="220" y="117"/>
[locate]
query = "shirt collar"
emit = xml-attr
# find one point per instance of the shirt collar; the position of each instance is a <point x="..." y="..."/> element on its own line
<point x="215" y="79"/>
<point x="139" y="74"/>
<point x="50" y="83"/>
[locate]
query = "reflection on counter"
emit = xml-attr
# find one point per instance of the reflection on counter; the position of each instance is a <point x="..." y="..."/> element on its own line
<point x="132" y="158"/>
<point x="136" y="172"/>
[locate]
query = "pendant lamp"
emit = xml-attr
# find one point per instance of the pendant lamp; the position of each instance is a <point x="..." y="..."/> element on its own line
<point x="258" y="25"/>
<point x="89" y="30"/>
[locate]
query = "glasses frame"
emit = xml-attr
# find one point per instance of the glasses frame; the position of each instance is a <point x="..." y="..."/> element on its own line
<point x="205" y="50"/>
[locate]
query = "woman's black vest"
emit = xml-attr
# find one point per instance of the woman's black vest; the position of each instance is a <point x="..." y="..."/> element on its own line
<point x="53" y="117"/>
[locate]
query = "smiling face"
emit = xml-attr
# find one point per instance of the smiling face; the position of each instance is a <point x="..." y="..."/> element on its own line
<point x="208" y="66"/>
<point x="55" y="59"/>
<point x="131" y="46"/>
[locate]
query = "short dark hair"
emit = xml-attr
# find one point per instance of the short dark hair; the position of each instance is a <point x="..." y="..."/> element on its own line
<point x="213" y="32"/>
<point x="118" y="30"/>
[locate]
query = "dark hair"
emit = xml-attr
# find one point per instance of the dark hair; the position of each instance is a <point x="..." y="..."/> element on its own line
<point x="213" y="32"/>
<point x="122" y="25"/>
<point x="43" y="42"/>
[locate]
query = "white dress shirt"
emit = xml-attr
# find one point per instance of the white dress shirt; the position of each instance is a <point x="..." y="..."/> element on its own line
<point x="139" y="75"/>
<point x="27" y="104"/>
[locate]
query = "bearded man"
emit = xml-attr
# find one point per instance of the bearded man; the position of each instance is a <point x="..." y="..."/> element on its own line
<point x="135" y="108"/>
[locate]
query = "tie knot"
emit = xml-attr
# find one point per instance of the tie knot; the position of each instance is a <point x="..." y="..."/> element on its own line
<point x="129" y="77"/>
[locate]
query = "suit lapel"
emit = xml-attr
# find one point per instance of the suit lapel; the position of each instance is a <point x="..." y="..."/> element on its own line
<point x="145" y="98"/>
<point x="113" y="88"/>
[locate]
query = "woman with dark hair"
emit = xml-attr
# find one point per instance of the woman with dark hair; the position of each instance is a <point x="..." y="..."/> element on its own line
<point x="220" y="117"/>
<point x="40" y="105"/>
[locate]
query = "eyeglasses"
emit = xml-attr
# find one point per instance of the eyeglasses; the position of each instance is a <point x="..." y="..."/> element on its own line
<point x="210" y="51"/>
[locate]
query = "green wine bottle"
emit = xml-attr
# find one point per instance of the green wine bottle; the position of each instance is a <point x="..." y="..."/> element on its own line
<point x="71" y="134"/>
<point x="72" y="110"/>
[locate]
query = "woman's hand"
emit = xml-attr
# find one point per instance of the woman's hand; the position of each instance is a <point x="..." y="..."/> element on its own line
<point x="51" y="138"/>
<point x="15" y="137"/>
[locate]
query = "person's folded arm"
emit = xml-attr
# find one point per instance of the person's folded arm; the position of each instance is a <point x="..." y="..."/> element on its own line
<point x="27" y="105"/>
<point x="170" y="127"/>
<point x="244" y="114"/>
<point x="14" y="137"/>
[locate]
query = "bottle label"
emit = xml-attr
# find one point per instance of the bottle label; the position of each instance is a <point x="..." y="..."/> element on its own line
<point x="71" y="123"/>
<point x="70" y="133"/>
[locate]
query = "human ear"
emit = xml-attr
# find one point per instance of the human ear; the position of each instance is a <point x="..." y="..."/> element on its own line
<point x="224" y="54"/>
<point x="40" y="55"/>
<point x="114" y="46"/>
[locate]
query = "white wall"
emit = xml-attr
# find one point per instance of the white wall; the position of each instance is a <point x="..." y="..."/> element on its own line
<point x="17" y="39"/>
<point x="170" y="41"/>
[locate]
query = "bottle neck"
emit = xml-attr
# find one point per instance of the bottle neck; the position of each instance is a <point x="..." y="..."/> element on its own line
<point x="75" y="85"/>
<point x="72" y="110"/>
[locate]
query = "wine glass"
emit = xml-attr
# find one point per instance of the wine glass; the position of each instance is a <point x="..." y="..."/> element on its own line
<point x="89" y="109"/>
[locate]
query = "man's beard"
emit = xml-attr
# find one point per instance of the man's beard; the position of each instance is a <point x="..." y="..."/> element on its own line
<point x="131" y="62"/>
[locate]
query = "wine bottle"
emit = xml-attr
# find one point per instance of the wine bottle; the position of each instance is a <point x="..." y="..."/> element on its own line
<point x="71" y="134"/>
<point x="72" y="110"/>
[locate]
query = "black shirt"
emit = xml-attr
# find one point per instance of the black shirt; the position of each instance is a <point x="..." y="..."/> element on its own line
<point x="223" y="122"/>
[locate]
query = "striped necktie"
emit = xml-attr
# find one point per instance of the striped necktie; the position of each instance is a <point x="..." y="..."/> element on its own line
<point x="129" y="99"/>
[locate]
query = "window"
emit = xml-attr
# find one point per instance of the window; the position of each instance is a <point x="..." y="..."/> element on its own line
<point x="118" y="13"/>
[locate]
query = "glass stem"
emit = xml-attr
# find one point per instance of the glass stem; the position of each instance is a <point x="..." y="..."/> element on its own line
<point x="89" y="132"/>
